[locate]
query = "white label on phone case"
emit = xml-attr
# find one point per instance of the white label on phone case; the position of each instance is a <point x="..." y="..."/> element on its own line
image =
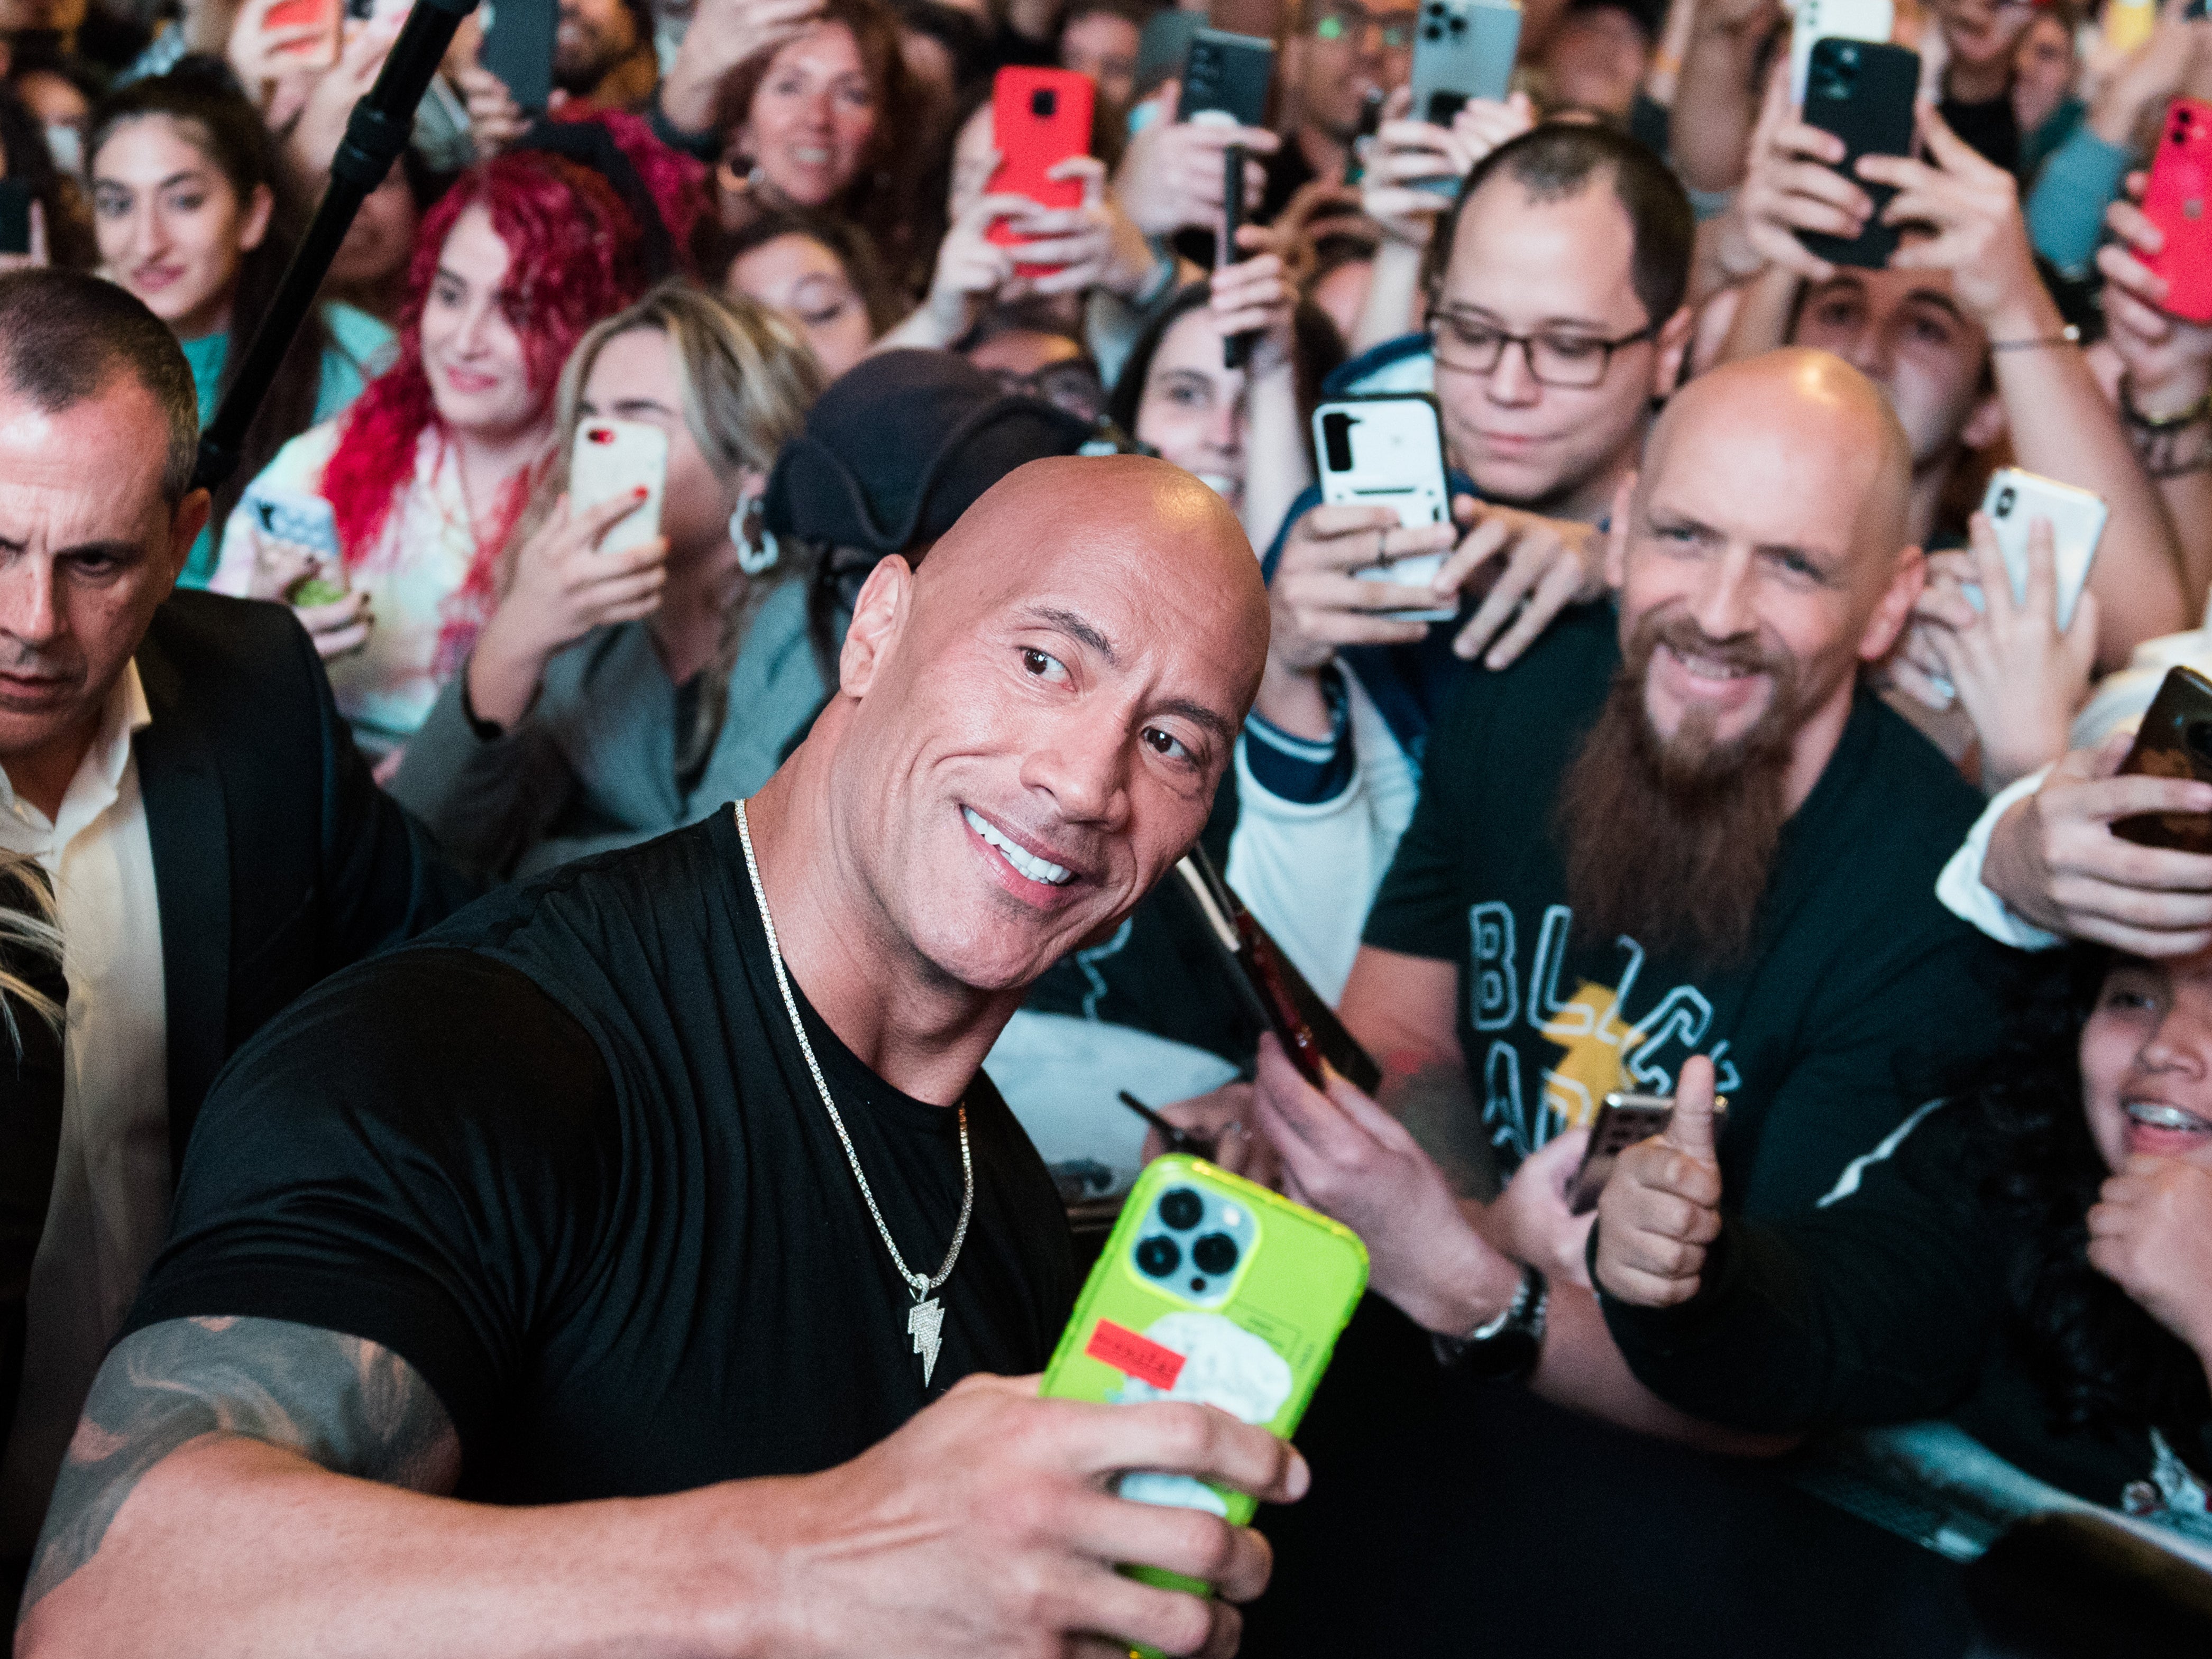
<point x="613" y="458"/>
<point x="1224" y="1365"/>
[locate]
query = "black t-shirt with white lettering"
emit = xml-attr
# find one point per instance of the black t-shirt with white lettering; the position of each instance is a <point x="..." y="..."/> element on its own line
<point x="1860" y="998"/>
<point x="565" y="1158"/>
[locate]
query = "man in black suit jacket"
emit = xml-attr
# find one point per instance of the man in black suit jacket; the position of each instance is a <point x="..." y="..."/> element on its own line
<point x="175" y="764"/>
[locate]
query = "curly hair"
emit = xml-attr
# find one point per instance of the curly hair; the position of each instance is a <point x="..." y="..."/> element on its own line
<point x="2100" y="1358"/>
<point x="572" y="259"/>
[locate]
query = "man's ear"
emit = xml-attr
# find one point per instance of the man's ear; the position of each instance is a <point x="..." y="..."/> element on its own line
<point x="1985" y="425"/>
<point x="1894" y="609"/>
<point x="186" y="519"/>
<point x="1616" y="531"/>
<point x="878" y="618"/>
<point x="1674" y="342"/>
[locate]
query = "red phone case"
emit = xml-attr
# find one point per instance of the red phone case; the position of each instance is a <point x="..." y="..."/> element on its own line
<point x="2175" y="201"/>
<point x="1039" y="118"/>
<point x="293" y="14"/>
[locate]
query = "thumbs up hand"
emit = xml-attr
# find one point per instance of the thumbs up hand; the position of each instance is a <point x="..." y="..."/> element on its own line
<point x="1661" y="1207"/>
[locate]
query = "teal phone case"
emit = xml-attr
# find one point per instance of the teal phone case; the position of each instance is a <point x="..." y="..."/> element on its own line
<point x="1212" y="1289"/>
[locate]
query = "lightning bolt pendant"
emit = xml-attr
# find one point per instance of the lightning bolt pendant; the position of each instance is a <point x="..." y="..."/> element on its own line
<point x="925" y="1322"/>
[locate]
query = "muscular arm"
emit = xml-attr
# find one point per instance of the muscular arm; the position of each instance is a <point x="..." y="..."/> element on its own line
<point x="1400" y="1008"/>
<point x="251" y="1485"/>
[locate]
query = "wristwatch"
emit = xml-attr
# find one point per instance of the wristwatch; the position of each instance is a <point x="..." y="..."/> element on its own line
<point x="1506" y="1348"/>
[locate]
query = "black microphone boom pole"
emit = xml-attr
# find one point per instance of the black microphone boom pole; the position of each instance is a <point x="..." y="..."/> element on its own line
<point x="376" y="133"/>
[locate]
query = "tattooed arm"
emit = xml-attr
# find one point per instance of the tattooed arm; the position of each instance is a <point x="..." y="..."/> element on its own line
<point x="257" y="1487"/>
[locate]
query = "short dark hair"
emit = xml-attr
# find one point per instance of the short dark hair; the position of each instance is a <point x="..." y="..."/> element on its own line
<point x="1557" y="161"/>
<point x="64" y="335"/>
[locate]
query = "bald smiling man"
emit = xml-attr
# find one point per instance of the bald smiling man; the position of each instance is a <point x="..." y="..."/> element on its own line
<point x="660" y="1210"/>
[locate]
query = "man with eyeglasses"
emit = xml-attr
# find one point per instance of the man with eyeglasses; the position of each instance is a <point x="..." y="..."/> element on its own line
<point x="1344" y="54"/>
<point x="1555" y="292"/>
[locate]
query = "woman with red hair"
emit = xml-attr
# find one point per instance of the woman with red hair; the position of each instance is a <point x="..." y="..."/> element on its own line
<point x="384" y="528"/>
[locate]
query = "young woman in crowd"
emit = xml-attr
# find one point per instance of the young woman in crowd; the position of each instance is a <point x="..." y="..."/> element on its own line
<point x="428" y="474"/>
<point x="61" y="223"/>
<point x="615" y="696"/>
<point x="824" y="123"/>
<point x="1243" y="430"/>
<point x="2034" y="1260"/>
<point x="193" y="217"/>
<point x="821" y="274"/>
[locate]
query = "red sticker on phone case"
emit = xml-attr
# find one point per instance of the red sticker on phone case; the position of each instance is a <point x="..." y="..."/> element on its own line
<point x="1139" y="1356"/>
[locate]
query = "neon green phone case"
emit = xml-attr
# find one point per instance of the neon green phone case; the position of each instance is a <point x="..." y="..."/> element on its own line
<point x="1211" y="1289"/>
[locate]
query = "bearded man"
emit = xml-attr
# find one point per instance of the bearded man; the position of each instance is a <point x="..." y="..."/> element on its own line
<point x="1679" y="826"/>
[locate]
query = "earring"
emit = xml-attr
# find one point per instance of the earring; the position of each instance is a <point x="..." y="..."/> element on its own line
<point x="753" y="557"/>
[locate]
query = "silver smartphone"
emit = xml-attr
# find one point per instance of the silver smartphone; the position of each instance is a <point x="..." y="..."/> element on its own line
<point x="1622" y="1122"/>
<point x="1464" y="51"/>
<point x="2013" y="500"/>
<point x="1387" y="450"/>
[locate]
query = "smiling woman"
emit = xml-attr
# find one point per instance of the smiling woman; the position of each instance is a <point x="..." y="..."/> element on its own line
<point x="398" y="513"/>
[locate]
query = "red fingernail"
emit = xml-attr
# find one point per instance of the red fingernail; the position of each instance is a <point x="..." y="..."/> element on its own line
<point x="639" y="493"/>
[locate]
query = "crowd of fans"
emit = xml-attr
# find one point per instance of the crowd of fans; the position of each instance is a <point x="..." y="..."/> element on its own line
<point x="1743" y="766"/>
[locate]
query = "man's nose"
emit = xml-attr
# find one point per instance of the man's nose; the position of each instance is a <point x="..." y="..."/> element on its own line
<point x="1513" y="381"/>
<point x="1869" y="353"/>
<point x="1722" y="605"/>
<point x="1084" y="768"/>
<point x="2183" y="1041"/>
<point x="30" y="609"/>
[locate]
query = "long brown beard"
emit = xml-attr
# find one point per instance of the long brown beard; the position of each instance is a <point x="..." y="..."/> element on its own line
<point x="1671" y="842"/>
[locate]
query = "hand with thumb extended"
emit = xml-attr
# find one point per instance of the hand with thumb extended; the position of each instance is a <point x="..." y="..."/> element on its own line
<point x="1661" y="1207"/>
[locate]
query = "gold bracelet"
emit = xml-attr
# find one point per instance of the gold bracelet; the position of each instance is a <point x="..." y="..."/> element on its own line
<point x="2068" y="335"/>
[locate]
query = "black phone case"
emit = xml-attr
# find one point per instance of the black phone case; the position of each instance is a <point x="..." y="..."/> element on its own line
<point x="1163" y="48"/>
<point x="2174" y="741"/>
<point x="15" y="216"/>
<point x="518" y="47"/>
<point x="1229" y="73"/>
<point x="1863" y="91"/>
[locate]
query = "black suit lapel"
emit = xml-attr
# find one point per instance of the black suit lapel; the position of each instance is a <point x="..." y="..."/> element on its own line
<point x="188" y="824"/>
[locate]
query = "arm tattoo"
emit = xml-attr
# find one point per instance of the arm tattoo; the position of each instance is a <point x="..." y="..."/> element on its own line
<point x="340" y="1401"/>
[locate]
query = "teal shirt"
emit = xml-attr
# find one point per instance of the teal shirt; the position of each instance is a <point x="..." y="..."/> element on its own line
<point x="360" y="347"/>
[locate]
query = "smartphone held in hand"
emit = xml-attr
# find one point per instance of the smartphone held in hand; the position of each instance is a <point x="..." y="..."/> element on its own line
<point x="1039" y="118"/>
<point x="1387" y="450"/>
<point x="2174" y="200"/>
<point x="1212" y="1289"/>
<point x="1863" y="92"/>
<point x="1226" y="79"/>
<point x="2012" y="503"/>
<point x="1623" y="1120"/>
<point x="615" y="458"/>
<point x="2174" y="741"/>
<point x="1464" y="52"/>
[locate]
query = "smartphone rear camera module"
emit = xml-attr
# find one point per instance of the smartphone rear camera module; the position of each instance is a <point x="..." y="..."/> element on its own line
<point x="2006" y="497"/>
<point x="1181" y="1208"/>
<point x="1044" y="103"/>
<point x="1159" y="1257"/>
<point x="1214" y="1255"/>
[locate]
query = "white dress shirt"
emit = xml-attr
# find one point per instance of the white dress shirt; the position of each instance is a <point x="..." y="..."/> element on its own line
<point x="112" y="1177"/>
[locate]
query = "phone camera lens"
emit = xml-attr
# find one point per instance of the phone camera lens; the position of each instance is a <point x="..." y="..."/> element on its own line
<point x="1215" y="1254"/>
<point x="1158" y="1256"/>
<point x="1181" y="1208"/>
<point x="2006" y="497"/>
<point x="1044" y="103"/>
<point x="1848" y="54"/>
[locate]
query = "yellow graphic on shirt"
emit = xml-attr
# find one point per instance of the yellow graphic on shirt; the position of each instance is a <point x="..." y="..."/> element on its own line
<point x="1583" y="1026"/>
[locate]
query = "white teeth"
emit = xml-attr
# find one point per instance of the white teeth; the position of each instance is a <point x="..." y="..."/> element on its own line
<point x="1036" y="869"/>
<point x="2152" y="1115"/>
<point x="809" y="157"/>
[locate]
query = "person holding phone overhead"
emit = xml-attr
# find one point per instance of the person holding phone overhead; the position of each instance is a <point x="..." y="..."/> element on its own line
<point x="691" y="1256"/>
<point x="613" y="696"/>
<point x="427" y="475"/>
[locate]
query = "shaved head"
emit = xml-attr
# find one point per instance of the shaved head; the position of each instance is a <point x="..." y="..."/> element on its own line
<point x="1029" y="727"/>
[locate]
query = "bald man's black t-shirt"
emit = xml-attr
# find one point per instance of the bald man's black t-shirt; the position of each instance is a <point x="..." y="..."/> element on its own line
<point x="564" y="1157"/>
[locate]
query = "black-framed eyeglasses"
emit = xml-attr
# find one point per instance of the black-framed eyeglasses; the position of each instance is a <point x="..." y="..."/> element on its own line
<point x="1556" y="358"/>
<point x="1342" y="22"/>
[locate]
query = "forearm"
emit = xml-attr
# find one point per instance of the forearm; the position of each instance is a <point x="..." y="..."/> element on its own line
<point x="1582" y="1370"/>
<point x="234" y="1546"/>
<point x="504" y="674"/>
<point x="1277" y="463"/>
<point x="1394" y="288"/>
<point x="2188" y="498"/>
<point x="1714" y="107"/>
<point x="926" y="328"/>
<point x="1762" y="319"/>
<point x="2062" y="427"/>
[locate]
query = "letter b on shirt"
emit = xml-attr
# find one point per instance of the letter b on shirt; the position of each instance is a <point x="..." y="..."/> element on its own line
<point x="1493" y="988"/>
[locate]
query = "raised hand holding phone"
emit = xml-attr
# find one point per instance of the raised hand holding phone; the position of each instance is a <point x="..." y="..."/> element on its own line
<point x="1661" y="1207"/>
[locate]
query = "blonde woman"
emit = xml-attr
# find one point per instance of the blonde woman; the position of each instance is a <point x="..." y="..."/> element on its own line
<point x="613" y="696"/>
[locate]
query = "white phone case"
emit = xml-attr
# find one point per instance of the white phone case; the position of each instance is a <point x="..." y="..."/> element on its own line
<point x="1389" y="451"/>
<point x="2016" y="498"/>
<point x="614" y="458"/>
<point x="1842" y="19"/>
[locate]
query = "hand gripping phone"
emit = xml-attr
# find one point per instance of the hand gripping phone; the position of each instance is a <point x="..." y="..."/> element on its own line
<point x="1214" y="1290"/>
<point x="1226" y="78"/>
<point x="2174" y="741"/>
<point x="2013" y="501"/>
<point x="1863" y="92"/>
<point x="1039" y="118"/>
<point x="1387" y="450"/>
<point x="1622" y="1122"/>
<point x="305" y="522"/>
<point x="612" y="459"/>
<point x="1270" y="987"/>
<point x="2175" y="200"/>
<point x="518" y="47"/>
<point x="1832" y="20"/>
<point x="1464" y="50"/>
